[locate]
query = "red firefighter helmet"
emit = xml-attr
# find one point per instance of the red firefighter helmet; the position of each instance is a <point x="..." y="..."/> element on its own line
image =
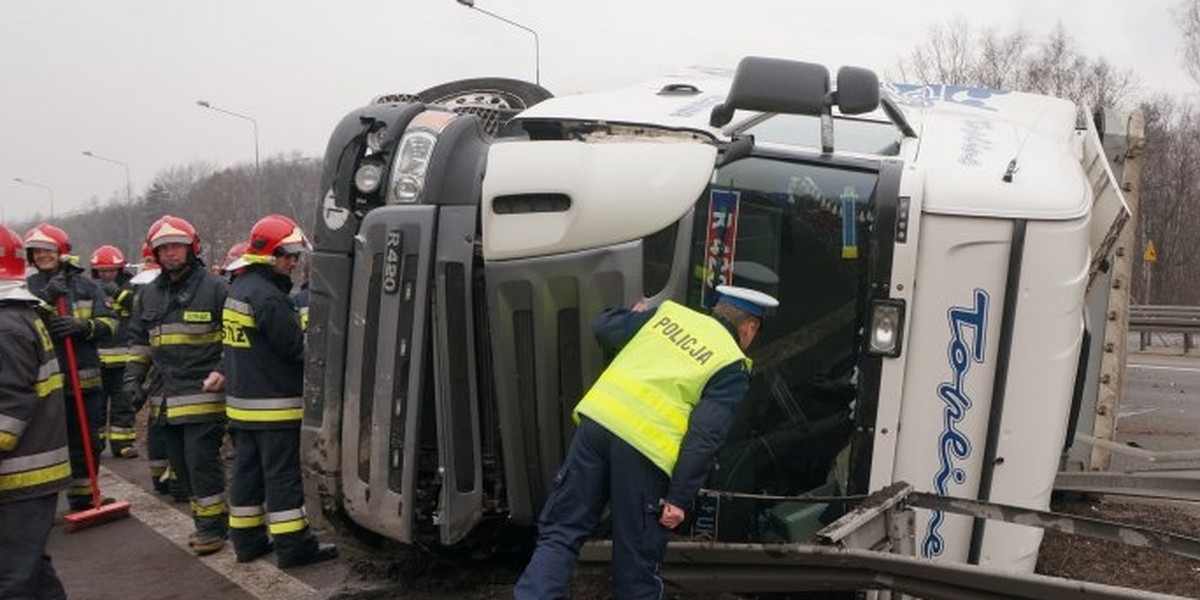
<point x="173" y="230"/>
<point x="235" y="252"/>
<point x="12" y="256"/>
<point x="273" y="235"/>
<point x="108" y="257"/>
<point x="148" y="254"/>
<point x="47" y="237"/>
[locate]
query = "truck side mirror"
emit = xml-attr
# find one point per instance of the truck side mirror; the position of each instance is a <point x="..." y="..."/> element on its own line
<point x="857" y="90"/>
<point x="774" y="85"/>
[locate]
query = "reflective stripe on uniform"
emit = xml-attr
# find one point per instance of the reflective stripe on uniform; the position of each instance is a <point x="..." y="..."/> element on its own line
<point x="12" y="426"/>
<point x="122" y="434"/>
<point x="90" y="378"/>
<point x="247" y="517"/>
<point x="239" y="312"/>
<point x="79" y="487"/>
<point x="49" y="379"/>
<point x="185" y="334"/>
<point x="286" y="521"/>
<point x="82" y="309"/>
<point x="35" y="469"/>
<point x="209" y="506"/>
<point x="139" y="354"/>
<point x="264" y="409"/>
<point x="114" y="356"/>
<point x="194" y="404"/>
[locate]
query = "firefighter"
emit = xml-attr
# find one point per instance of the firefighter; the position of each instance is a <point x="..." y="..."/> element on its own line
<point x="116" y="409"/>
<point x="234" y="265"/>
<point x="88" y="321"/>
<point x="176" y="327"/>
<point x="34" y="463"/>
<point x="264" y="353"/>
<point x="649" y="430"/>
<point x="162" y="477"/>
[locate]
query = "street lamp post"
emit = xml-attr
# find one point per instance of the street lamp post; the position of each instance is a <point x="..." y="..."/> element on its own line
<point x="537" y="47"/>
<point x="128" y="191"/>
<point x="39" y="185"/>
<point x="257" y="172"/>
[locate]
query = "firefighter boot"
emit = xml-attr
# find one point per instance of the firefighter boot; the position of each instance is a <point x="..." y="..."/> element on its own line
<point x="210" y="535"/>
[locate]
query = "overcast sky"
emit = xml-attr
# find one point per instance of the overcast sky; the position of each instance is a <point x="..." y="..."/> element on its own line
<point x="121" y="78"/>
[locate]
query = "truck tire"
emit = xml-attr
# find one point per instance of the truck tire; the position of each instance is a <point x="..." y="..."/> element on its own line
<point x="493" y="99"/>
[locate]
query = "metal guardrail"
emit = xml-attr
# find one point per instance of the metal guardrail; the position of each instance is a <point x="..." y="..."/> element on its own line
<point x="1148" y="318"/>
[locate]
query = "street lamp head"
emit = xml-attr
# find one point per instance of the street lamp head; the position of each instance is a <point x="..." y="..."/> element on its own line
<point x="467" y="3"/>
<point x="88" y="153"/>
<point x="203" y="103"/>
<point x="18" y="180"/>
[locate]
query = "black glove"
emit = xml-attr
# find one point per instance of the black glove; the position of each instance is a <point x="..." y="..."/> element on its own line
<point x="62" y="327"/>
<point x="110" y="288"/>
<point x="133" y="391"/>
<point x="55" y="288"/>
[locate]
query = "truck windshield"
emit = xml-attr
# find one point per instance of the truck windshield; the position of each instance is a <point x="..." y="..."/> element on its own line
<point x="800" y="232"/>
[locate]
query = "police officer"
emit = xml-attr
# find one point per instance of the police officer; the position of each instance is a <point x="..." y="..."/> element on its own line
<point x="116" y="409"/>
<point x="34" y="464"/>
<point x="88" y="321"/>
<point x="649" y="429"/>
<point x="264" y="354"/>
<point x="176" y="326"/>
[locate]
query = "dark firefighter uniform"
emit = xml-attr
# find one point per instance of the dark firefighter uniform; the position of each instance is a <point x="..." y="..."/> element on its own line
<point x="92" y="322"/>
<point x="34" y="460"/>
<point x="264" y="354"/>
<point x="176" y="326"/>
<point x="116" y="408"/>
<point x="649" y="429"/>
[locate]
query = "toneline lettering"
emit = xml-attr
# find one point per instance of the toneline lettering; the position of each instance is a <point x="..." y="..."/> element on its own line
<point x="954" y="445"/>
<point x="683" y="340"/>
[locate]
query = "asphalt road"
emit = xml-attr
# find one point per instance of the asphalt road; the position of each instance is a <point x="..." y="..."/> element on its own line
<point x="146" y="556"/>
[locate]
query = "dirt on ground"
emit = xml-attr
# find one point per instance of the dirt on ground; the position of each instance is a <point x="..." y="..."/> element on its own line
<point x="1114" y="563"/>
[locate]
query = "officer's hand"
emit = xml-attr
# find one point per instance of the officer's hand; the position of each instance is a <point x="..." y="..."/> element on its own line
<point x="641" y="306"/>
<point x="63" y="327"/>
<point x="55" y="288"/>
<point x="215" y="382"/>
<point x="110" y="288"/>
<point x="672" y="515"/>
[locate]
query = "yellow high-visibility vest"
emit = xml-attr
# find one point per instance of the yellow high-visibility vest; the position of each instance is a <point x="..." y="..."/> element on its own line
<point x="646" y="395"/>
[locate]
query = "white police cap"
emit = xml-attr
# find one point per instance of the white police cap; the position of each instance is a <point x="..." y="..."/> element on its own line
<point x="751" y="301"/>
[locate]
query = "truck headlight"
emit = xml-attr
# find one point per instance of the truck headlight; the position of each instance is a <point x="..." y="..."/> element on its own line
<point x="408" y="175"/>
<point x="886" y="327"/>
<point x="367" y="177"/>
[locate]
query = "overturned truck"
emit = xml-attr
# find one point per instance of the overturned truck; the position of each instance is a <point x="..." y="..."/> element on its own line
<point x="931" y="247"/>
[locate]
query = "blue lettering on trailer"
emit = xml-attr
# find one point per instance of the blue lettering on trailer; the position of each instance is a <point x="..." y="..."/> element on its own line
<point x="954" y="445"/>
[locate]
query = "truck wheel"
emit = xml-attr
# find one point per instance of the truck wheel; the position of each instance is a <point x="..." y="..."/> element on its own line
<point x="493" y="99"/>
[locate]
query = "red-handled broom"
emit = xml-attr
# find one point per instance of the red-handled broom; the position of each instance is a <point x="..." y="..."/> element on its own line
<point x="99" y="513"/>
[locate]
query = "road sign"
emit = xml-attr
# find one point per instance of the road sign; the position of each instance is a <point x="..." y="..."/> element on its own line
<point x="1151" y="254"/>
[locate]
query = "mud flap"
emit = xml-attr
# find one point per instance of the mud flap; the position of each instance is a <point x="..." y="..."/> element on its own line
<point x="386" y="348"/>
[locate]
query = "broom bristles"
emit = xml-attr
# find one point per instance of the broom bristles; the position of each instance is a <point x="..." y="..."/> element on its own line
<point x="95" y="516"/>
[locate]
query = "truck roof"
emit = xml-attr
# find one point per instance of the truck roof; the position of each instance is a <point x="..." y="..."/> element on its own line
<point x="968" y="139"/>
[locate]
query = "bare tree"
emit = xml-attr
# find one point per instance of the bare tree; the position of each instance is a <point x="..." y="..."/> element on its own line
<point x="1187" y="15"/>
<point x="958" y="55"/>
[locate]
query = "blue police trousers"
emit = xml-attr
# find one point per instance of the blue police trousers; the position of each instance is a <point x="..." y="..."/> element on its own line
<point x="600" y="468"/>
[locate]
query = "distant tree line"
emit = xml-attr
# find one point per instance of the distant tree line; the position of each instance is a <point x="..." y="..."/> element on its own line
<point x="222" y="204"/>
<point x="957" y="54"/>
